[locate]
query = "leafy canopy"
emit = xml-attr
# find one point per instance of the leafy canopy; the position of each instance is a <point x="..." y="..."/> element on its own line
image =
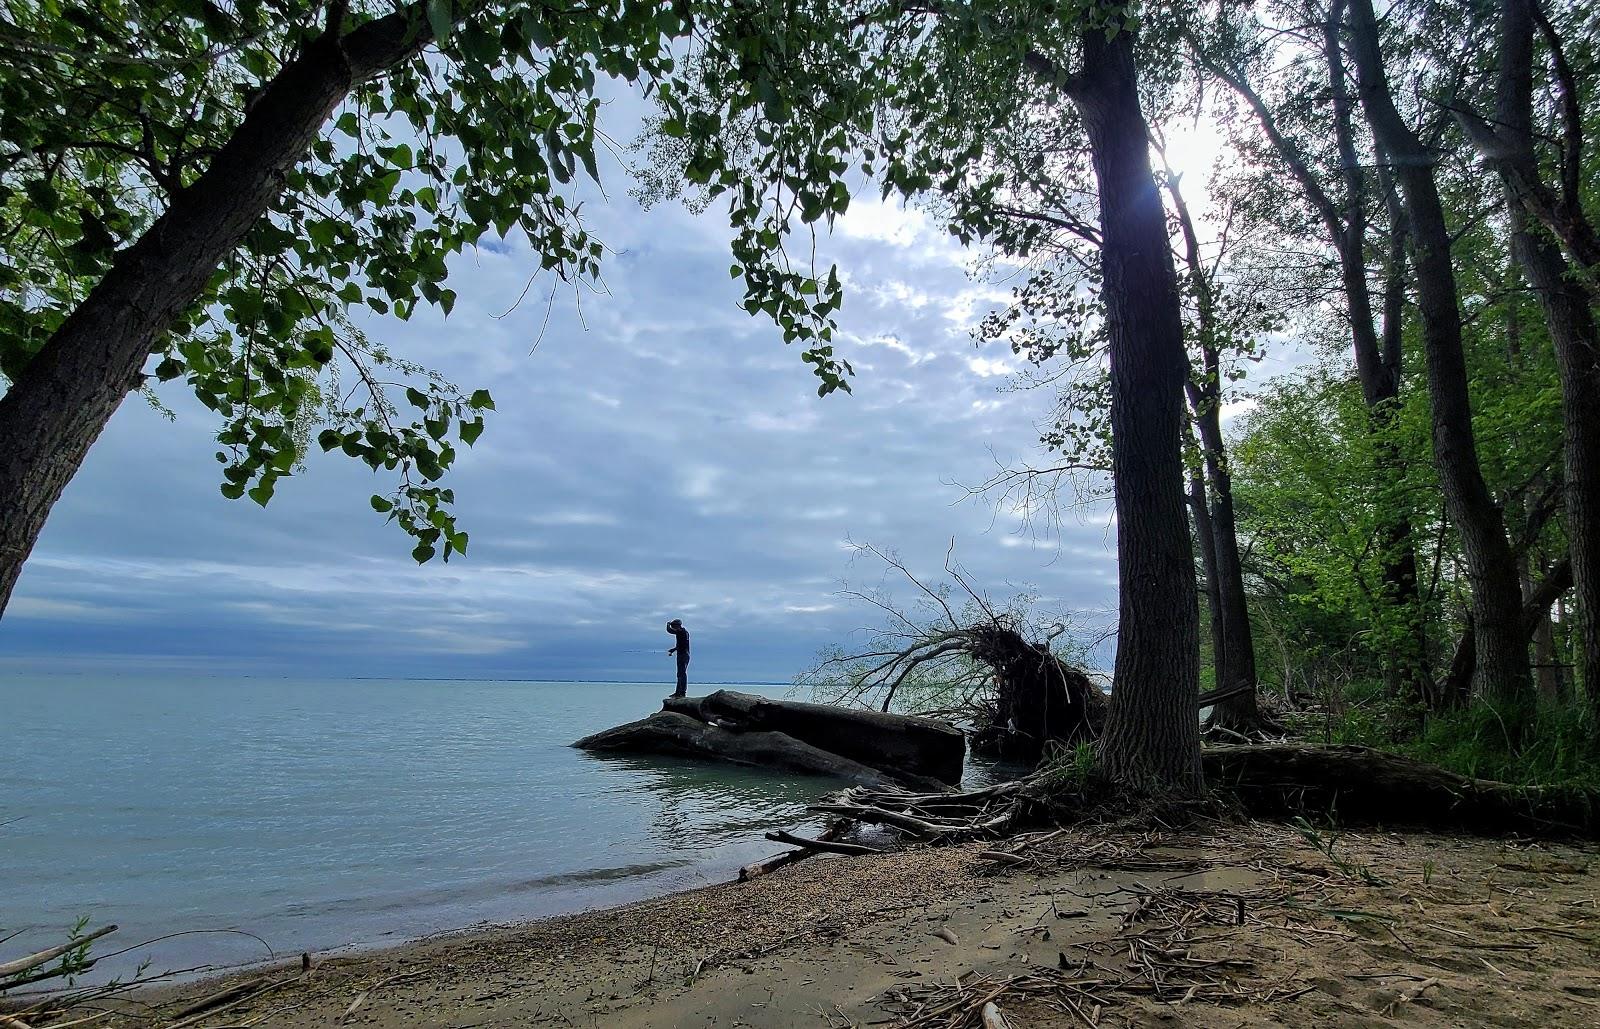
<point x="107" y="111"/>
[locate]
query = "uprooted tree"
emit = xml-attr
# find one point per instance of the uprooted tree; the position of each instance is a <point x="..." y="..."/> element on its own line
<point x="1015" y="680"/>
<point x="955" y="653"/>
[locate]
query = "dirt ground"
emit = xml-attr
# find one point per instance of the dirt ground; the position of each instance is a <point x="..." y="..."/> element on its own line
<point x="1240" y="925"/>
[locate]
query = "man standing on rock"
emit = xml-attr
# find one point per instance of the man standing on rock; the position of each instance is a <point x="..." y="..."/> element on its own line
<point x="680" y="634"/>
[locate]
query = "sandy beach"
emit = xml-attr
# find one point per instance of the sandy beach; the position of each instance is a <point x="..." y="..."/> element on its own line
<point x="1236" y="925"/>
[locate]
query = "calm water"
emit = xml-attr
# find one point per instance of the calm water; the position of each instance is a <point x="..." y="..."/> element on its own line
<point x="323" y="814"/>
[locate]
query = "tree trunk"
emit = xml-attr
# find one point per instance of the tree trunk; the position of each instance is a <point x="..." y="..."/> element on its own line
<point x="1152" y="736"/>
<point x="922" y="747"/>
<point x="62" y="399"/>
<point x="1546" y="674"/>
<point x="1402" y="586"/>
<point x="1206" y="541"/>
<point x="1365" y="787"/>
<point x="1457" y="684"/>
<point x="1501" y="668"/>
<point x="1239" y="712"/>
<point x="677" y="734"/>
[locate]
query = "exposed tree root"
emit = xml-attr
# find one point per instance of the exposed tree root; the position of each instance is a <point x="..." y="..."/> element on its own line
<point x="1353" y="785"/>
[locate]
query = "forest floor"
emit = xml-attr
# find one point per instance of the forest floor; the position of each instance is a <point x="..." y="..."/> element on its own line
<point x="1232" y="925"/>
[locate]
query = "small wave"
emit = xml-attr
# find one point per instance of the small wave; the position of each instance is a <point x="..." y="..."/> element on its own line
<point x="446" y="896"/>
<point x="599" y="875"/>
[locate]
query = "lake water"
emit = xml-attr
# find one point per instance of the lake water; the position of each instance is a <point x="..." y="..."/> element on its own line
<point x="317" y="815"/>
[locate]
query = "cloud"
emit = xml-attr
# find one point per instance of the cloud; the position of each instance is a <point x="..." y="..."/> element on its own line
<point x="655" y="451"/>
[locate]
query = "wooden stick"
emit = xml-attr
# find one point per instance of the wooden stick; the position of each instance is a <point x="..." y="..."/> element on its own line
<point x="23" y="964"/>
<point x="826" y="845"/>
<point x="49" y="973"/>
<point x="992" y="1018"/>
<point x="834" y="830"/>
<point x="220" y="997"/>
<point x="905" y="823"/>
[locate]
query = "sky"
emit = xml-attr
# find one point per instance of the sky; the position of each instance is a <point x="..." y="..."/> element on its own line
<point x="656" y="453"/>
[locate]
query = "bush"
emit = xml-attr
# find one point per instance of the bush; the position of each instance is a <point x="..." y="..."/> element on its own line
<point x="1536" y="744"/>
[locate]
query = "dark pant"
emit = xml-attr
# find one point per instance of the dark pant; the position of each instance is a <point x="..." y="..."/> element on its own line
<point x="683" y="677"/>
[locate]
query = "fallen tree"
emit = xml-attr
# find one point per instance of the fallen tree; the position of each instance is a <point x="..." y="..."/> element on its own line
<point x="990" y="667"/>
<point x="921" y="747"/>
<point x="1359" y="785"/>
<point x="809" y="738"/>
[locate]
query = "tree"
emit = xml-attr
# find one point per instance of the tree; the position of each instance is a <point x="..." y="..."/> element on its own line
<point x="1501" y="668"/>
<point x="1541" y="217"/>
<point x="1224" y="570"/>
<point x="1322" y="174"/>
<point x="930" y="88"/>
<point x="218" y="188"/>
<point x="956" y="654"/>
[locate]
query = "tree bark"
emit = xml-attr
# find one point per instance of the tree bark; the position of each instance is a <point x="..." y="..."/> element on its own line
<point x="1206" y="542"/>
<point x="62" y="399"/>
<point x="1152" y="736"/>
<point x="1501" y="668"/>
<point x="1509" y="147"/>
<point x="1457" y="684"/>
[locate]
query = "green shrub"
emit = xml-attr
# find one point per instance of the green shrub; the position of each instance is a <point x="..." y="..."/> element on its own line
<point x="1536" y="744"/>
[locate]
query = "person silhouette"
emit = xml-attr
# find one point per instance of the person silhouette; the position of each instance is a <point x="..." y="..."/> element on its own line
<point x="681" y="649"/>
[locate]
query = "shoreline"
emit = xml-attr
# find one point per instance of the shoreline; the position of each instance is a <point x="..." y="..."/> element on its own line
<point x="1269" y="925"/>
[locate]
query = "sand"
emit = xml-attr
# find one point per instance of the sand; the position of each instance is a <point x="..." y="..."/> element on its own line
<point x="1236" y="925"/>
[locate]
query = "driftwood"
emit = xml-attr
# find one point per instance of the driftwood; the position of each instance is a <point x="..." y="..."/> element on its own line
<point x="865" y="747"/>
<point x="827" y="846"/>
<point x="674" y="733"/>
<point x="1038" y="699"/>
<point x="914" y="747"/>
<point x="836" y="828"/>
<point x="31" y="961"/>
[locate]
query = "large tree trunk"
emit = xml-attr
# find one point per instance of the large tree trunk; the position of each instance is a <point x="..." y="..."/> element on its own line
<point x="923" y="747"/>
<point x="1501" y="669"/>
<point x="62" y="399"/>
<point x="1566" y="304"/>
<point x="1457" y="683"/>
<point x="1152" y="735"/>
<point x="1361" y="786"/>
<point x="681" y="735"/>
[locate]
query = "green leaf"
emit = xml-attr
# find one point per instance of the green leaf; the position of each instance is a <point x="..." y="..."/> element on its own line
<point x="481" y="401"/>
<point x="380" y="504"/>
<point x="439" y="19"/>
<point x="423" y="553"/>
<point x="262" y="492"/>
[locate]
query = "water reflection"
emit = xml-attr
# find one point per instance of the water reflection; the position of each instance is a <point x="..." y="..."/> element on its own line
<point x="706" y="805"/>
<point x="702" y="806"/>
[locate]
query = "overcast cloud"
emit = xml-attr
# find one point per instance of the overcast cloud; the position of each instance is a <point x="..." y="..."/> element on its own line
<point x="660" y="454"/>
